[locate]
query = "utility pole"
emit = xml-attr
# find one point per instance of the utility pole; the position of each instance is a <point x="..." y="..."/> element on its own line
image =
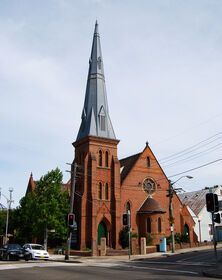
<point x="171" y="191"/>
<point x="9" y="202"/>
<point x="73" y="183"/>
<point x="171" y="215"/>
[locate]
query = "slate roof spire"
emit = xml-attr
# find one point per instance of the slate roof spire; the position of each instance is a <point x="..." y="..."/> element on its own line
<point x="95" y="114"/>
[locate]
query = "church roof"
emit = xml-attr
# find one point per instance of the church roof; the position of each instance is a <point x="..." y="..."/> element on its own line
<point x="196" y="200"/>
<point x="33" y="183"/>
<point x="126" y="165"/>
<point x="95" y="115"/>
<point x="150" y="206"/>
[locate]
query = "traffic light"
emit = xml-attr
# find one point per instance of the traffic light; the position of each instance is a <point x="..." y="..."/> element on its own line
<point x="217" y="218"/>
<point x="212" y="202"/>
<point x="216" y="203"/>
<point x="71" y="219"/>
<point x="126" y="219"/>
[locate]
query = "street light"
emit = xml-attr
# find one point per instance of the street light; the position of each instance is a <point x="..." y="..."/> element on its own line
<point x="171" y="215"/>
<point x="9" y="202"/>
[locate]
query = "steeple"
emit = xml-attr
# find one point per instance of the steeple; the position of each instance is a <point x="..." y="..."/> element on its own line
<point x="95" y="114"/>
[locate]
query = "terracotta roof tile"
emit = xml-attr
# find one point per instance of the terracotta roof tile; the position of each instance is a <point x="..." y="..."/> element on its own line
<point x="150" y="206"/>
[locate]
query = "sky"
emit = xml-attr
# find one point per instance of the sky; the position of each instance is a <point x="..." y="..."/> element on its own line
<point x="163" y="65"/>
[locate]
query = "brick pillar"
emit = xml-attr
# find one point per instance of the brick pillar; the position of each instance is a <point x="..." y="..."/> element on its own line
<point x="94" y="248"/>
<point x="103" y="246"/>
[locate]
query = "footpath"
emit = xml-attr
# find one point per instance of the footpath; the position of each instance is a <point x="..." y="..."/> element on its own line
<point x="215" y="271"/>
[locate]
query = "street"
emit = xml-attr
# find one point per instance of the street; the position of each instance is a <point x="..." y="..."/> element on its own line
<point x="181" y="266"/>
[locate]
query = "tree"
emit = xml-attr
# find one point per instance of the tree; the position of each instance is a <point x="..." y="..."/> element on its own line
<point x="25" y="218"/>
<point x="44" y="209"/>
<point x="2" y="222"/>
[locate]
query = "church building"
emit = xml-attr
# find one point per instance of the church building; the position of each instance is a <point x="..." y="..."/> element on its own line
<point x="106" y="187"/>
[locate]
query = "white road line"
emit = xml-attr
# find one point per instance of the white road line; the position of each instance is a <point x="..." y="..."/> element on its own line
<point x="180" y="263"/>
<point x="164" y="269"/>
<point x="30" y="265"/>
<point x="142" y="267"/>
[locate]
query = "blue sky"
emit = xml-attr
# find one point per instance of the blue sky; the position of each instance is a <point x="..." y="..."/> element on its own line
<point x="163" y="65"/>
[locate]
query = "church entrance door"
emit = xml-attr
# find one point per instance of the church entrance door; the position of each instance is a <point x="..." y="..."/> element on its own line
<point x="102" y="231"/>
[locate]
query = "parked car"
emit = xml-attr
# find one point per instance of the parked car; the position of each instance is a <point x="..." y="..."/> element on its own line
<point x="35" y="252"/>
<point x="11" y="252"/>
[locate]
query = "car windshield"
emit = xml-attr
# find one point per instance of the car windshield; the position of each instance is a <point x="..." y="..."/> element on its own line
<point x="14" y="247"/>
<point x="37" y="247"/>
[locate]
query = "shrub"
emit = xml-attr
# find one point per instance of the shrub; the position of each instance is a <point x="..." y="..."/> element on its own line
<point x="124" y="238"/>
<point x="149" y="239"/>
<point x="134" y="235"/>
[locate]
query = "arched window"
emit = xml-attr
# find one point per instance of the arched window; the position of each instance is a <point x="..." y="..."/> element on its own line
<point x="107" y="159"/>
<point x="148" y="161"/>
<point x="100" y="191"/>
<point x="128" y="206"/>
<point x="106" y="191"/>
<point x="100" y="158"/>
<point x="148" y="225"/>
<point x="159" y="225"/>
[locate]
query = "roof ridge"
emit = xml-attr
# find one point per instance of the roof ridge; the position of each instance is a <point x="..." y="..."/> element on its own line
<point x="131" y="156"/>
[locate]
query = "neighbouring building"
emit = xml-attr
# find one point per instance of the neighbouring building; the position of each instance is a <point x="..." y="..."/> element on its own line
<point x="196" y="204"/>
<point x="106" y="187"/>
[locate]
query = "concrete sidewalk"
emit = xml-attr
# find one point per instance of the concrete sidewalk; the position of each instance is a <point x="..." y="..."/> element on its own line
<point x="215" y="271"/>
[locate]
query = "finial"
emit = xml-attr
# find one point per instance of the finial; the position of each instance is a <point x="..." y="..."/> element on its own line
<point x="96" y="27"/>
<point x="147" y="144"/>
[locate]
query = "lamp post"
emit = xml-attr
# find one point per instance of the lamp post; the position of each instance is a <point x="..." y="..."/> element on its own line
<point x="171" y="215"/>
<point x="9" y="202"/>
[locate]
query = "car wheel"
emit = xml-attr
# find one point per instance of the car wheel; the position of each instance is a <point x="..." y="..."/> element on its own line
<point x="28" y="257"/>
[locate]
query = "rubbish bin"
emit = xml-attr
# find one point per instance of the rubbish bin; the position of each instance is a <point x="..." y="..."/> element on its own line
<point x="163" y="245"/>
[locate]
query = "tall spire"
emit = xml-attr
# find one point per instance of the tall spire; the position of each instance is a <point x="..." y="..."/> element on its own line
<point x="95" y="114"/>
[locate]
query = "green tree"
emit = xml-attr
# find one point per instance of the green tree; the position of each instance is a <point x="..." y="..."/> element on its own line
<point x="44" y="209"/>
<point x="2" y="222"/>
<point x="25" y="218"/>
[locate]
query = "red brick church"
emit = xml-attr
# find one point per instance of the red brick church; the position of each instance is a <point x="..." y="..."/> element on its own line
<point x="107" y="187"/>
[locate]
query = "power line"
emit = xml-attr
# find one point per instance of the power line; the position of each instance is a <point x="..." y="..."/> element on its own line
<point x="192" y="148"/>
<point x="195" y="168"/>
<point x="194" y="156"/>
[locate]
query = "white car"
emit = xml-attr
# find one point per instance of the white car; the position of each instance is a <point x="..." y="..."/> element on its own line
<point x="35" y="252"/>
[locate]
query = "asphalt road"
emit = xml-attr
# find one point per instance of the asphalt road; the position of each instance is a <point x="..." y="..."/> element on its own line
<point x="182" y="266"/>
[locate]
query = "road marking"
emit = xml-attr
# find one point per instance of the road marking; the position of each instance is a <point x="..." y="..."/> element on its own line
<point x="142" y="267"/>
<point x="181" y="262"/>
<point x="30" y="265"/>
<point x="163" y="269"/>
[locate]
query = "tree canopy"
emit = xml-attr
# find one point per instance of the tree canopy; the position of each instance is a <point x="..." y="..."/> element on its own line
<point x="43" y="209"/>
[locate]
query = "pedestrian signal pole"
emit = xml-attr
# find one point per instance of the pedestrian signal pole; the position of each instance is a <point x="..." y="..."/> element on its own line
<point x="71" y="216"/>
<point x="127" y="224"/>
<point x="129" y="231"/>
<point x="212" y="205"/>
